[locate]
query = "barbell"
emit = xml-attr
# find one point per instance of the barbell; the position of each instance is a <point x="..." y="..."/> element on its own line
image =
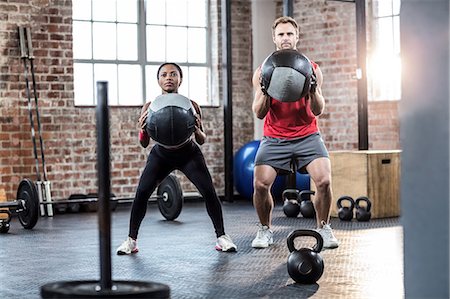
<point x="169" y="197"/>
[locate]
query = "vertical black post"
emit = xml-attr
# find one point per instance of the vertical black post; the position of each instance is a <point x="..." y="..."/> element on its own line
<point x="361" y="54"/>
<point x="104" y="185"/>
<point x="227" y="80"/>
<point x="288" y="8"/>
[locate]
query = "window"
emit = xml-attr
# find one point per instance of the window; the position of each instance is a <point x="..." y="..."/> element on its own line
<point x="384" y="66"/>
<point x="124" y="42"/>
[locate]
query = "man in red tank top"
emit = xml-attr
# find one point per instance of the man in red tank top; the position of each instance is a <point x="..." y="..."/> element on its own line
<point x="290" y="132"/>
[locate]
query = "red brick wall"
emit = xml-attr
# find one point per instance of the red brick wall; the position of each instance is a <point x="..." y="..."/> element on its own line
<point x="69" y="132"/>
<point x="328" y="37"/>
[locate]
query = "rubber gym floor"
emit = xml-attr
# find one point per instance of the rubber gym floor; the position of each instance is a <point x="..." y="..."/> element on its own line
<point x="367" y="264"/>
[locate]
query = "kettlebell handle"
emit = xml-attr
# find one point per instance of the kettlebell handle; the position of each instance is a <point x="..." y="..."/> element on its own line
<point x="366" y="199"/>
<point x="305" y="232"/>
<point x="301" y="194"/>
<point x="347" y="198"/>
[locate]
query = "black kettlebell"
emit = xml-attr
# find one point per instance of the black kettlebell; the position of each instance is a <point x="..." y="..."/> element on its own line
<point x="4" y="226"/>
<point x="4" y="223"/>
<point x="363" y="212"/>
<point x="291" y="207"/>
<point x="306" y="205"/>
<point x="305" y="265"/>
<point x="345" y="213"/>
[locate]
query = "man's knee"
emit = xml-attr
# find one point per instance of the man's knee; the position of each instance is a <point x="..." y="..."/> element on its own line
<point x="323" y="183"/>
<point x="261" y="187"/>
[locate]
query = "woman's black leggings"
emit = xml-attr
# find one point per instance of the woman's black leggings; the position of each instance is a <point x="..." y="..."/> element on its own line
<point x="160" y="163"/>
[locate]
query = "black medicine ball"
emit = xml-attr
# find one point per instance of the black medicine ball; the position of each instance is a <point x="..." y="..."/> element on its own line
<point x="286" y="75"/>
<point x="171" y="119"/>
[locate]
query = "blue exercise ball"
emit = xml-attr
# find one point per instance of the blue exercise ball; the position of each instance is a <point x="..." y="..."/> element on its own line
<point x="244" y="162"/>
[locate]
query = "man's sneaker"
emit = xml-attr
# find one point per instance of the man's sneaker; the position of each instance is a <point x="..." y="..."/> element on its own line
<point x="264" y="237"/>
<point x="329" y="240"/>
<point x="224" y="243"/>
<point x="128" y="246"/>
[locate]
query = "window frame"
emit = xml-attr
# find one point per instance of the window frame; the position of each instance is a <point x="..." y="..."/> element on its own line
<point x="142" y="61"/>
<point x="394" y="17"/>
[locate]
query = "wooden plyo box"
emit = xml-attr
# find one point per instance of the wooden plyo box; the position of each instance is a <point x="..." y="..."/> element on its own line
<point x="375" y="174"/>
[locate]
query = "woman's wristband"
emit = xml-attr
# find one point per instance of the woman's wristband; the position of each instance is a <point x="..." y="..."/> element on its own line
<point x="143" y="136"/>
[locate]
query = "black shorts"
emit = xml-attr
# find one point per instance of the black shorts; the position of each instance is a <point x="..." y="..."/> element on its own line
<point x="278" y="153"/>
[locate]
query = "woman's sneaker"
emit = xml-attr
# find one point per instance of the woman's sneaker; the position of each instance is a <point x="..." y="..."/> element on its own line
<point x="329" y="240"/>
<point x="129" y="246"/>
<point x="224" y="243"/>
<point x="264" y="237"/>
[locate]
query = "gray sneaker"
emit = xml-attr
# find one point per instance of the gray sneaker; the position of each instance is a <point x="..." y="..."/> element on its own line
<point x="329" y="240"/>
<point x="264" y="237"/>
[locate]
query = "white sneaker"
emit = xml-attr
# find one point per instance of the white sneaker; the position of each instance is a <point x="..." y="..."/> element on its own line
<point x="264" y="237"/>
<point x="329" y="240"/>
<point x="128" y="246"/>
<point x="224" y="243"/>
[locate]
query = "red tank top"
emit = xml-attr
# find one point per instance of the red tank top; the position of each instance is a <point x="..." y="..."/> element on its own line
<point x="290" y="120"/>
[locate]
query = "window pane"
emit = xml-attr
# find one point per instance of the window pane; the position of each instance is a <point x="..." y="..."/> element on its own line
<point x="396" y="32"/>
<point x="152" y="88"/>
<point x="383" y="8"/>
<point x="156" y="41"/>
<point x="104" y="10"/>
<point x="82" y="41"/>
<point x="127" y="42"/>
<point x="178" y="12"/>
<point x="177" y="44"/>
<point x="156" y="12"/>
<point x="385" y="37"/>
<point x="130" y="87"/>
<point x="104" y="41"/>
<point x="83" y="84"/>
<point x="197" y="45"/>
<point x="197" y="13"/>
<point x="81" y="9"/>
<point x="198" y="84"/>
<point x="184" y="87"/>
<point x="107" y="72"/>
<point x="396" y="7"/>
<point x="127" y="11"/>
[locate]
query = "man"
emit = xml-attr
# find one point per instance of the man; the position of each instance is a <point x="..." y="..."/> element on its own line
<point x="188" y="158"/>
<point x="290" y="131"/>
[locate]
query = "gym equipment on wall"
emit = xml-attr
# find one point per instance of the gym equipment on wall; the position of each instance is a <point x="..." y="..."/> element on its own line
<point x="305" y="265"/>
<point x="26" y="54"/>
<point x="105" y="287"/>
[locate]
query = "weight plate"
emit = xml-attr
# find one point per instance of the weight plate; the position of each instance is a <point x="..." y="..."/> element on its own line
<point x="170" y="197"/>
<point x="90" y="289"/>
<point x="28" y="195"/>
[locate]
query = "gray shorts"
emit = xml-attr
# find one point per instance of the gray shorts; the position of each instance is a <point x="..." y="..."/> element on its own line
<point x="278" y="153"/>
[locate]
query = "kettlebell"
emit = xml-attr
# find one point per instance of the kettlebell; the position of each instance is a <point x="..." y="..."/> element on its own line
<point x="306" y="205"/>
<point x="345" y="213"/>
<point x="305" y="265"/>
<point x="363" y="212"/>
<point x="291" y="207"/>
<point x="4" y="223"/>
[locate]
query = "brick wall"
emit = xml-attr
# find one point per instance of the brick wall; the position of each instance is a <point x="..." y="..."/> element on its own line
<point x="328" y="37"/>
<point x="69" y="132"/>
